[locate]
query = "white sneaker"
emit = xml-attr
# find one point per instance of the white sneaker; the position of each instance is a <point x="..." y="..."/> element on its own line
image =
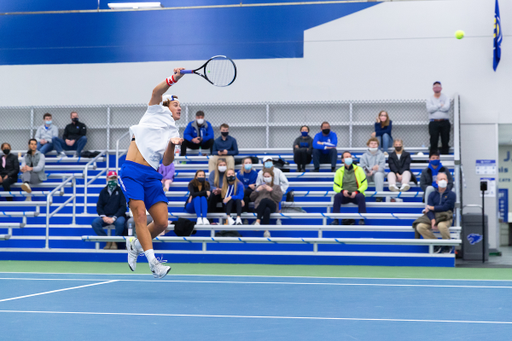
<point x="158" y="270"/>
<point x="199" y="221"/>
<point x="405" y="188"/>
<point x="26" y="187"/>
<point x="238" y="221"/>
<point x="133" y="253"/>
<point x="256" y="223"/>
<point x="393" y="188"/>
<point x="266" y="234"/>
<point x="206" y="221"/>
<point x="278" y="222"/>
<point x="231" y="221"/>
<point x="62" y="154"/>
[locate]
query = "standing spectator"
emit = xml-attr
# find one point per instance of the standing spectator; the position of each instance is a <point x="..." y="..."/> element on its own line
<point x="73" y="138"/>
<point x="324" y="147"/>
<point x="216" y="179"/>
<point x="9" y="168"/>
<point x="439" y="210"/>
<point x="438" y="106"/>
<point x="400" y="168"/>
<point x="350" y="184"/>
<point x="303" y="149"/>
<point x="266" y="199"/>
<point x="383" y="131"/>
<point x="225" y="147"/>
<point x="373" y="162"/>
<point x="111" y="208"/>
<point x="197" y="201"/>
<point x="32" y="168"/>
<point x="232" y="195"/>
<point x="45" y="134"/>
<point x="198" y="135"/>
<point x="278" y="177"/>
<point x="248" y="177"/>
<point x="429" y="175"/>
<point x="167" y="174"/>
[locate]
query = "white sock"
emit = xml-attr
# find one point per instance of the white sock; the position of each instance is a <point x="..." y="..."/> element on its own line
<point x="150" y="255"/>
<point x="137" y="244"/>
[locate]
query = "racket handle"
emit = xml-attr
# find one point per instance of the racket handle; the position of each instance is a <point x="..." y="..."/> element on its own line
<point x="186" y="71"/>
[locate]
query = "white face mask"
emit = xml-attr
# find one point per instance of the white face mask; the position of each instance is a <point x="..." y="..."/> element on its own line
<point x="200" y="121"/>
<point x="373" y="150"/>
<point x="267" y="179"/>
<point x="222" y="169"/>
<point x="442" y="183"/>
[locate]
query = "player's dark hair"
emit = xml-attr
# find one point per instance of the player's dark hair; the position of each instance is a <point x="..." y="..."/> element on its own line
<point x="200" y="113"/>
<point x="168" y="101"/>
<point x="47" y="115"/>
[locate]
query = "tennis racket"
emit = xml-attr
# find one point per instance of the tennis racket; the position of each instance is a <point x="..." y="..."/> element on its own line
<point x="218" y="70"/>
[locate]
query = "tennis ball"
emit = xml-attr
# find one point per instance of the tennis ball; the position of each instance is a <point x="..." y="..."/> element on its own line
<point x="459" y="34"/>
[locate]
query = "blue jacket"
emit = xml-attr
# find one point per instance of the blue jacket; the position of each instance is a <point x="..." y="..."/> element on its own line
<point x="441" y="203"/>
<point x="247" y="178"/>
<point x="239" y="195"/>
<point x="229" y="145"/>
<point x="381" y="131"/>
<point x="331" y="138"/>
<point x="191" y="131"/>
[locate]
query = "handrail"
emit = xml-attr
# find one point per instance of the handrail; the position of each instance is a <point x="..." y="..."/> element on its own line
<point x="49" y="202"/>
<point x="117" y="150"/>
<point x="457" y="158"/>
<point x="86" y="171"/>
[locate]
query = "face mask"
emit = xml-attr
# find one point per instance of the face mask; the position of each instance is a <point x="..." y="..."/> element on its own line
<point x="200" y="179"/>
<point x="268" y="164"/>
<point x="373" y="150"/>
<point x="231" y="178"/>
<point x="248" y="166"/>
<point x="348" y="161"/>
<point x="222" y="169"/>
<point x="267" y="179"/>
<point x="48" y="123"/>
<point x="326" y="131"/>
<point x="437" y="89"/>
<point x="200" y="121"/>
<point x="225" y="133"/>
<point x="442" y="183"/>
<point x="112" y="184"/>
<point x="304" y="133"/>
<point x="398" y="149"/>
<point x="6" y="151"/>
<point x="75" y="119"/>
<point x="435" y="163"/>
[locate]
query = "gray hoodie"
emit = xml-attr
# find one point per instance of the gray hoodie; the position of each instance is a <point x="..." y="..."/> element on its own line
<point x="47" y="134"/>
<point x="368" y="160"/>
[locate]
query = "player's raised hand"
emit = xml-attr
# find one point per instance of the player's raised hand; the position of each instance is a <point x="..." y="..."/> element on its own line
<point x="177" y="73"/>
<point x="176" y="140"/>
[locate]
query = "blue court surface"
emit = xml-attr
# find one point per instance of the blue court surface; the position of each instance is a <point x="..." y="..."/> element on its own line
<point x="195" y="307"/>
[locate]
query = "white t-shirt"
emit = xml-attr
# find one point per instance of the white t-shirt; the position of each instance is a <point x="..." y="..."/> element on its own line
<point x="153" y="133"/>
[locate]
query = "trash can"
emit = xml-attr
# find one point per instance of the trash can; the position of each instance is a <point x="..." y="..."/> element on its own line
<point x="472" y="237"/>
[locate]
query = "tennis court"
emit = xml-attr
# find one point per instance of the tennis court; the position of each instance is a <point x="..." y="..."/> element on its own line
<point x="49" y="306"/>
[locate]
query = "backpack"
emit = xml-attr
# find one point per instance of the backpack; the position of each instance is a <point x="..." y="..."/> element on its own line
<point x="184" y="227"/>
<point x="282" y="165"/>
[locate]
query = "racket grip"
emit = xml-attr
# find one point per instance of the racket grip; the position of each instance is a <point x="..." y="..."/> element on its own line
<point x="186" y="71"/>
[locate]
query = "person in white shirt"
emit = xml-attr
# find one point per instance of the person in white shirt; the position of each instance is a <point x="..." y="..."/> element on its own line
<point x="45" y="134"/>
<point x="438" y="107"/>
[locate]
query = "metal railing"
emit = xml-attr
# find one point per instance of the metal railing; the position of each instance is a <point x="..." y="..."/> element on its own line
<point x="49" y="201"/>
<point x="86" y="172"/>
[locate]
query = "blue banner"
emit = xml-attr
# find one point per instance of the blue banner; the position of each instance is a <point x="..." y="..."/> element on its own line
<point x="498" y="37"/>
<point x="503" y="204"/>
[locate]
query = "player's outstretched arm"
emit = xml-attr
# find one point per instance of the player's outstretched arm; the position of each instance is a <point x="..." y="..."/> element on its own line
<point x="169" y="152"/>
<point x="160" y="89"/>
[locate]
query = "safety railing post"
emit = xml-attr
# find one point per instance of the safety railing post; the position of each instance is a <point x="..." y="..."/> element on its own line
<point x="74" y="201"/>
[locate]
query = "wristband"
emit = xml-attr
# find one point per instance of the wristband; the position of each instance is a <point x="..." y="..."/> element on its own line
<point x="170" y="81"/>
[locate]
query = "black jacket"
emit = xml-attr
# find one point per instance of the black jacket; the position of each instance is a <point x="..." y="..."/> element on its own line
<point x="111" y="205"/>
<point x="400" y="166"/>
<point x="299" y="140"/>
<point x="74" y="131"/>
<point x="195" y="192"/>
<point x="12" y="166"/>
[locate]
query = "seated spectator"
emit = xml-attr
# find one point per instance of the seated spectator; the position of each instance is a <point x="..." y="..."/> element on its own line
<point x="167" y="174"/>
<point x="223" y="147"/>
<point x="383" y="131"/>
<point x="439" y="212"/>
<point x="197" y="201"/>
<point x="130" y="223"/>
<point x="111" y="208"/>
<point x="438" y="107"/>
<point x="248" y="177"/>
<point x="266" y="199"/>
<point x="9" y="168"/>
<point x="373" y="162"/>
<point x="278" y="176"/>
<point x="32" y="167"/>
<point x="303" y="149"/>
<point x="429" y="175"/>
<point x="216" y="179"/>
<point x="233" y="195"/>
<point x="400" y="168"/>
<point x="197" y="135"/>
<point x="350" y="184"/>
<point x="73" y="138"/>
<point x="324" y="147"/>
<point x="45" y="134"/>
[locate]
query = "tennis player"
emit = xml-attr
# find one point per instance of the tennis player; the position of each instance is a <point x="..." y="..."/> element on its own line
<point x="153" y="140"/>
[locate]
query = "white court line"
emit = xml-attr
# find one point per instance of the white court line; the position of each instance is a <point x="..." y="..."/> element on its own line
<point x="53" y="291"/>
<point x="271" y="283"/>
<point x="257" y="317"/>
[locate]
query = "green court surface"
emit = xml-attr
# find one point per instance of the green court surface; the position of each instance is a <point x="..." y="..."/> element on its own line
<point x="263" y="270"/>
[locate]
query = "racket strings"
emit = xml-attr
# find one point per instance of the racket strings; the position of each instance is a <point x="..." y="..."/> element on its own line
<point x="220" y="71"/>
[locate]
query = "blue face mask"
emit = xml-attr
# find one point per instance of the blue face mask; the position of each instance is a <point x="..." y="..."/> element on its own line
<point x="248" y="166"/>
<point x="304" y="133"/>
<point x="348" y="161"/>
<point x="268" y="164"/>
<point x="48" y="122"/>
<point x="435" y="163"/>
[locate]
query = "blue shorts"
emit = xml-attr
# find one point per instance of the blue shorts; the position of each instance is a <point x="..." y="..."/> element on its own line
<point x="140" y="182"/>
